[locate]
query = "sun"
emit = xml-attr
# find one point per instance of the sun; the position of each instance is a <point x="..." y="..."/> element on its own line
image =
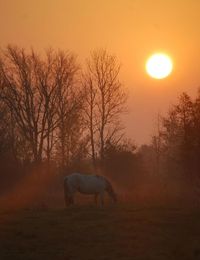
<point x="159" y="66"/>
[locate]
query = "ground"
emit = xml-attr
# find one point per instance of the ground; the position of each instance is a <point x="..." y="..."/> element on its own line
<point x="89" y="233"/>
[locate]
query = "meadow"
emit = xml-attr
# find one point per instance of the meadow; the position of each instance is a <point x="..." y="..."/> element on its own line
<point x="86" y="232"/>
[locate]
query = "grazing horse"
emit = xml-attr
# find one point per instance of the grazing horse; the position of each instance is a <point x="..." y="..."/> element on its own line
<point x="87" y="184"/>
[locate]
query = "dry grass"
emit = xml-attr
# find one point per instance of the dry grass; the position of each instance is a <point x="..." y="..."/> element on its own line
<point x="86" y="232"/>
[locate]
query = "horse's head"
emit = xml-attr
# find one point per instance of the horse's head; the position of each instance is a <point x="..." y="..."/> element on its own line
<point x="111" y="191"/>
<point x="114" y="197"/>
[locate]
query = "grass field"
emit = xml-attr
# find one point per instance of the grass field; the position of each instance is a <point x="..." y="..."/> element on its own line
<point x="86" y="232"/>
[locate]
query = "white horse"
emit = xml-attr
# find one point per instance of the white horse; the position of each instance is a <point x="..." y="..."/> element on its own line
<point x="87" y="184"/>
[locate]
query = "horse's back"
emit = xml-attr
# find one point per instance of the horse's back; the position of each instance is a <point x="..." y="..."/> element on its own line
<point x="83" y="183"/>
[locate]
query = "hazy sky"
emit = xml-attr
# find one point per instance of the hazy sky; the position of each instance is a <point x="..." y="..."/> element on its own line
<point x="130" y="29"/>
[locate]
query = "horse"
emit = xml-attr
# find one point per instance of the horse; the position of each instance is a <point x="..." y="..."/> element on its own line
<point x="87" y="184"/>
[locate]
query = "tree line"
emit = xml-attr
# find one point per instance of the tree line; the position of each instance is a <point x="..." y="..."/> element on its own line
<point x="176" y="143"/>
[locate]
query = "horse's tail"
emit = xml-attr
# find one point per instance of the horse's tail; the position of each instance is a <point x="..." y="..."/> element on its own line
<point x="110" y="190"/>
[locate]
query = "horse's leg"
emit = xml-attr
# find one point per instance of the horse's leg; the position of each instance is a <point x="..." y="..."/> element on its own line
<point x="72" y="199"/>
<point x="69" y="199"/>
<point x="66" y="201"/>
<point x="101" y="199"/>
<point x="96" y="198"/>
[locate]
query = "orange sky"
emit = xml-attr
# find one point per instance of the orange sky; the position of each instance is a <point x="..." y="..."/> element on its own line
<point x="131" y="29"/>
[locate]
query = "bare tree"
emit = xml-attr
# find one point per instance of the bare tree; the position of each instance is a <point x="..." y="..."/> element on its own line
<point x="31" y="89"/>
<point x="106" y="100"/>
<point x="19" y="93"/>
<point x="47" y="91"/>
<point x="90" y="112"/>
<point x="69" y="104"/>
<point x="157" y="143"/>
<point x="5" y="142"/>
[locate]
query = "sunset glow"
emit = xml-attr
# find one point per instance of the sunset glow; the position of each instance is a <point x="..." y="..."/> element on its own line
<point x="99" y="129"/>
<point x="159" y="66"/>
